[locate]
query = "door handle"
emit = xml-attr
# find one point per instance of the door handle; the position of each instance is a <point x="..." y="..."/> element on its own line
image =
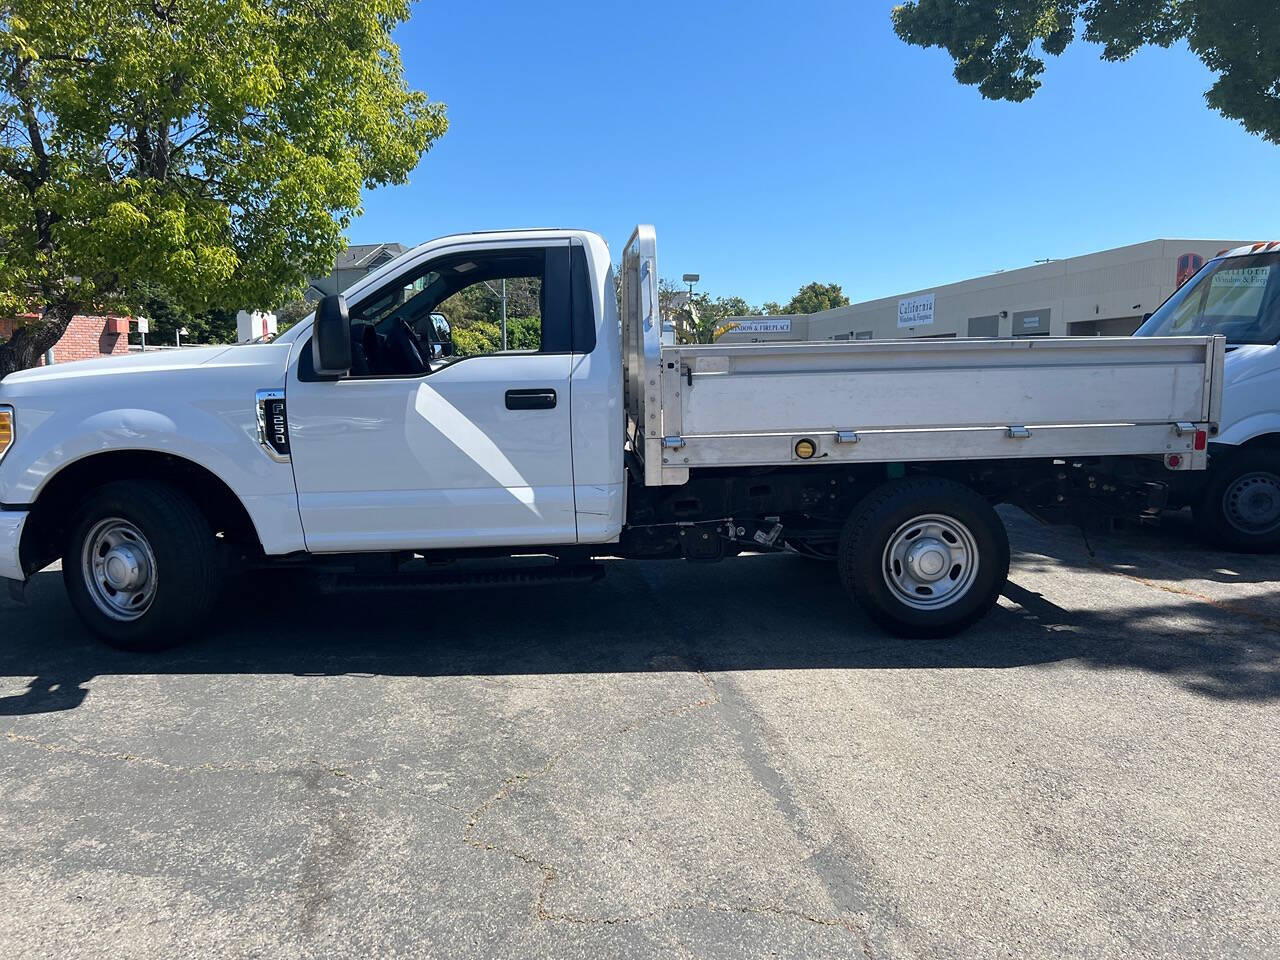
<point x="543" y="399"/>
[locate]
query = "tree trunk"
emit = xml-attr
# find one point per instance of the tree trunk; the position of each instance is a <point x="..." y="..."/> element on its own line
<point x="34" y="338"/>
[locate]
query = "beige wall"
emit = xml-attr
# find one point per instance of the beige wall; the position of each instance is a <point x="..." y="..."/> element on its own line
<point x="1101" y="293"/>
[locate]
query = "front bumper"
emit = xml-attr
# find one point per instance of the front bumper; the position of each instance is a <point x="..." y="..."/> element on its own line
<point x="11" y="524"/>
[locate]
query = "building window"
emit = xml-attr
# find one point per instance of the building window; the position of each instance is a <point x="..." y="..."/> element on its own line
<point x="984" y="326"/>
<point x="1031" y="323"/>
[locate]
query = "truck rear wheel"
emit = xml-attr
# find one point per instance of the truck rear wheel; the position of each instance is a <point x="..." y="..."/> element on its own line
<point x="924" y="557"/>
<point x="1240" y="508"/>
<point x="140" y="566"/>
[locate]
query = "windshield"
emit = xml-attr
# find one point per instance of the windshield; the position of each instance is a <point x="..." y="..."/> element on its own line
<point x="1238" y="297"/>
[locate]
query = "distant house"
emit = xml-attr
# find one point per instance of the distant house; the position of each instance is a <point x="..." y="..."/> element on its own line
<point x="353" y="263"/>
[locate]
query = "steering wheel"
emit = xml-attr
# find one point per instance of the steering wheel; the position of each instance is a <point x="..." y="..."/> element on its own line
<point x="408" y="349"/>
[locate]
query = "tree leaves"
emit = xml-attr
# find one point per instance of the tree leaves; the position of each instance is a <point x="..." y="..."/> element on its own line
<point x="815" y="297"/>
<point x="997" y="45"/>
<point x="217" y="148"/>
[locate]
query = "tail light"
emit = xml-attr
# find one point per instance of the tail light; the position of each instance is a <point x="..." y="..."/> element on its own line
<point x="1202" y="439"/>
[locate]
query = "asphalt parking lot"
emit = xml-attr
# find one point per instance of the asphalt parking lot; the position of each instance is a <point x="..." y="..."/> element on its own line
<point x="685" y="761"/>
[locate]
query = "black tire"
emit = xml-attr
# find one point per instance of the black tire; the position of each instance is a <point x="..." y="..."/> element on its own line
<point x="1243" y="484"/>
<point x="883" y="517"/>
<point x="187" y="572"/>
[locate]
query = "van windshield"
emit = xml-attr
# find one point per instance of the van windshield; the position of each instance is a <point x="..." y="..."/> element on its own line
<point x="1237" y="297"/>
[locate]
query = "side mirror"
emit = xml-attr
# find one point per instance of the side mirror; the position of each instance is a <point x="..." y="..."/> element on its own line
<point x="444" y="334"/>
<point x="331" y="337"/>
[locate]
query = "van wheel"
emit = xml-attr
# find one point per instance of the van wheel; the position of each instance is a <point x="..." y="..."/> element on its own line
<point x="141" y="566"/>
<point x="1240" y="508"/>
<point x="924" y="557"/>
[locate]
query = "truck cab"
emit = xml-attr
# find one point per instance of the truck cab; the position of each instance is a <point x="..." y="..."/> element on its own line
<point x="414" y="440"/>
<point x="1236" y="295"/>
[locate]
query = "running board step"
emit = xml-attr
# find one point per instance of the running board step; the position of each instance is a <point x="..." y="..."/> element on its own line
<point x="462" y="579"/>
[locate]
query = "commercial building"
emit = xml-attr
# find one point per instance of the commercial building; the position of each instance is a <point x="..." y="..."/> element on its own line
<point x="1098" y="294"/>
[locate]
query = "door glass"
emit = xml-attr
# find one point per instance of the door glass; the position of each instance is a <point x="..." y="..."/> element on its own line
<point x="493" y="316"/>
<point x="467" y="305"/>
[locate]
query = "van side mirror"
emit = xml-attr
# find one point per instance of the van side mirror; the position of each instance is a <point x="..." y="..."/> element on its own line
<point x="331" y="337"/>
<point x="444" y="335"/>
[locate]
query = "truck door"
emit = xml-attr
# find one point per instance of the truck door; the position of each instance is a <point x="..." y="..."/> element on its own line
<point x="445" y="433"/>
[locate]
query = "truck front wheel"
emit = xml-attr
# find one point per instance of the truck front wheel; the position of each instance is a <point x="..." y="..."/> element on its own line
<point x="924" y="557"/>
<point x="1240" y="508"/>
<point x="140" y="565"/>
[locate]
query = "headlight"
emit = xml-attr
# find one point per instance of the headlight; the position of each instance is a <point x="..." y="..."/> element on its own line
<point x="6" y="430"/>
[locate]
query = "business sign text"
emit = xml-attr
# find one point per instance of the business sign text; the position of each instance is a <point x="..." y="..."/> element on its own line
<point x="769" y="325"/>
<point x="916" y="311"/>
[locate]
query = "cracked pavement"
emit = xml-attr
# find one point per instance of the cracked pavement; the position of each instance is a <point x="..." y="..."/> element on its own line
<point x="682" y="760"/>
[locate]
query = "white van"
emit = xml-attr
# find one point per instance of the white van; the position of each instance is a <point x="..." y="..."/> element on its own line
<point x="1237" y="502"/>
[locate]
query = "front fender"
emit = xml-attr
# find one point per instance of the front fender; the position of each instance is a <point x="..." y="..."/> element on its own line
<point x="204" y="415"/>
<point x="1250" y="428"/>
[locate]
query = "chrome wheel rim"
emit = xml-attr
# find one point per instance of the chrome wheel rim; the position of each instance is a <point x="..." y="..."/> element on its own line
<point x="1252" y="503"/>
<point x="931" y="561"/>
<point x="119" y="568"/>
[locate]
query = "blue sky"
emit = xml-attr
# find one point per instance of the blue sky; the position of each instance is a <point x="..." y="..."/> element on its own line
<point x="775" y="144"/>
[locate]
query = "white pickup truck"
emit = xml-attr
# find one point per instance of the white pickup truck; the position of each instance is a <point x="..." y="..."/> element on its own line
<point x="371" y="435"/>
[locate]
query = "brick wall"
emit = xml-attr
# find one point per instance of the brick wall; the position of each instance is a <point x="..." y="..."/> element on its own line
<point x="86" y="337"/>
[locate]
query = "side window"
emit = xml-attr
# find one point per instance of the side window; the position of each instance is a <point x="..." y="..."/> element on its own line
<point x="474" y="304"/>
<point x="494" y="316"/>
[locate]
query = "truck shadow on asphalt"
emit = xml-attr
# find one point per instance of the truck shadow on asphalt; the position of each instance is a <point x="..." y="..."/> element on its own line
<point x="1169" y="552"/>
<point x="754" y="613"/>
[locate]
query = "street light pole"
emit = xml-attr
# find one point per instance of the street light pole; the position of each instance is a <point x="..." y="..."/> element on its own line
<point x="691" y="279"/>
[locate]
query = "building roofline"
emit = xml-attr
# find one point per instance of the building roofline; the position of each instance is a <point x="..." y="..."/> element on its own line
<point x="1015" y="275"/>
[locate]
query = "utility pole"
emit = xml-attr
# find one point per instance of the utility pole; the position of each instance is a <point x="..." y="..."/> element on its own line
<point x="503" y="297"/>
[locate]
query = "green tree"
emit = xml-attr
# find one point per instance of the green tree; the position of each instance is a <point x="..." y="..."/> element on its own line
<point x="216" y="148"/>
<point x="167" y="315"/>
<point x="297" y="309"/>
<point x="704" y="320"/>
<point x="813" y="297"/>
<point x="999" y="44"/>
<point x="524" y="333"/>
<point x="476" y="338"/>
